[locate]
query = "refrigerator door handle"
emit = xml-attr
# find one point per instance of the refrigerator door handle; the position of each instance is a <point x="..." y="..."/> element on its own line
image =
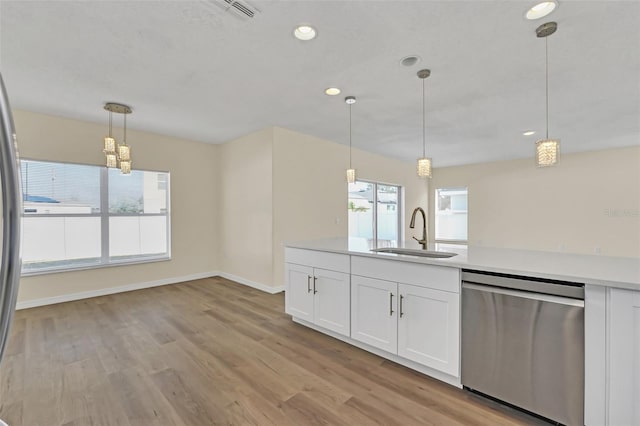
<point x="11" y="217"/>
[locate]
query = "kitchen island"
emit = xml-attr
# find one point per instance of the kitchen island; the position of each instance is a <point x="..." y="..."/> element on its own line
<point x="407" y="308"/>
<point x="618" y="272"/>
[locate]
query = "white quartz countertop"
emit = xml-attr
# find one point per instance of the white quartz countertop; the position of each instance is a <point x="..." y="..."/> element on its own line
<point x="621" y="272"/>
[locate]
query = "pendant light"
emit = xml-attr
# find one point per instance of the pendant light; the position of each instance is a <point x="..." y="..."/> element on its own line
<point x="547" y="150"/>
<point x="110" y="145"/>
<point x="351" y="172"/>
<point x="424" y="163"/>
<point x="124" y="152"/>
<point x="117" y="155"/>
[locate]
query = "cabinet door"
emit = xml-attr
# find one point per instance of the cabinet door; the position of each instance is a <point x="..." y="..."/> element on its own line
<point x="374" y="312"/>
<point x="331" y="302"/>
<point x="429" y="327"/>
<point x="624" y="353"/>
<point x="298" y="299"/>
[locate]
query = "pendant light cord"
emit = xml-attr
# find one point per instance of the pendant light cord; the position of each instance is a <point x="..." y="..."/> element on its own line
<point x="350" y="135"/>
<point x="424" y="127"/>
<point x="125" y="129"/>
<point x="546" y="60"/>
<point x="110" y="122"/>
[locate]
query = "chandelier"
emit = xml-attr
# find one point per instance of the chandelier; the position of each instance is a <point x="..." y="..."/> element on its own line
<point x="117" y="155"/>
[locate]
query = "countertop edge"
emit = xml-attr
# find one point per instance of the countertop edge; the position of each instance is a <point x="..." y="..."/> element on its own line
<point x="452" y="262"/>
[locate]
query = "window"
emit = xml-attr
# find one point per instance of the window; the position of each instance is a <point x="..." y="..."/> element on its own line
<point x="375" y="213"/>
<point x="79" y="216"/>
<point x="451" y="214"/>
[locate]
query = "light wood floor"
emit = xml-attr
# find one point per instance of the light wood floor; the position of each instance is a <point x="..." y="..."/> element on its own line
<point x="209" y="352"/>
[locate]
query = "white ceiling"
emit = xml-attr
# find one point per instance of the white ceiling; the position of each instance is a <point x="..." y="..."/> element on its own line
<point x="193" y="70"/>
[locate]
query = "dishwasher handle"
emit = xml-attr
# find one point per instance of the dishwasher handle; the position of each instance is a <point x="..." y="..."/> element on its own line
<point x="524" y="294"/>
<point x="535" y="285"/>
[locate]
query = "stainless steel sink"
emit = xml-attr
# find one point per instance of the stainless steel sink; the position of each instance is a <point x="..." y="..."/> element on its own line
<point x="415" y="252"/>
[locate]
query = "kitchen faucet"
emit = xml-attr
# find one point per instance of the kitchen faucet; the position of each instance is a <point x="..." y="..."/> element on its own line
<point x="423" y="242"/>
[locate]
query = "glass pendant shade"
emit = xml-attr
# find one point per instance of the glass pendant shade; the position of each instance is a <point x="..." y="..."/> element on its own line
<point x="424" y="167"/>
<point x="109" y="145"/>
<point x="112" y="160"/>
<point x="351" y="175"/>
<point x="125" y="167"/>
<point x="547" y="152"/>
<point x="124" y="153"/>
<point x="117" y="156"/>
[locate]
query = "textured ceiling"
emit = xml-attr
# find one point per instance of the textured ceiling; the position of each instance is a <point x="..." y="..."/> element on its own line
<point x="193" y="70"/>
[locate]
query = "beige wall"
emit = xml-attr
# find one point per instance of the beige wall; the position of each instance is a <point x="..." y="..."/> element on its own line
<point x="589" y="200"/>
<point x="194" y="205"/>
<point x="310" y="190"/>
<point x="234" y="206"/>
<point x="246" y="207"/>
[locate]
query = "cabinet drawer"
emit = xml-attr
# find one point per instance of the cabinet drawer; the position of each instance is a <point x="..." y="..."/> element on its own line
<point x="317" y="259"/>
<point x="437" y="277"/>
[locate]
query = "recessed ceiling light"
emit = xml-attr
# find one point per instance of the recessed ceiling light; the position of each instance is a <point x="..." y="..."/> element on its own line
<point x="332" y="91"/>
<point x="305" y="32"/>
<point x="409" y="61"/>
<point x="541" y="10"/>
<point x="529" y="133"/>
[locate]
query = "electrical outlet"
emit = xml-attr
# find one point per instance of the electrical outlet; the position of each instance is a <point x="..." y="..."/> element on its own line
<point x="597" y="250"/>
<point x="561" y="247"/>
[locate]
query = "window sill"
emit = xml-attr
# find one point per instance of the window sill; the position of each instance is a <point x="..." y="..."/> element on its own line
<point x="97" y="266"/>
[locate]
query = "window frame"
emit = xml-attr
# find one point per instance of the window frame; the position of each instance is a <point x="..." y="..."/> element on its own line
<point x="399" y="213"/>
<point x="104" y="215"/>
<point x="435" y="216"/>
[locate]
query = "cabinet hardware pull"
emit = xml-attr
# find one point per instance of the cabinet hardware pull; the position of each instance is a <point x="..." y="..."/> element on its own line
<point x="391" y="304"/>
<point x="314" y="285"/>
<point x="308" y="283"/>
<point x="401" y="313"/>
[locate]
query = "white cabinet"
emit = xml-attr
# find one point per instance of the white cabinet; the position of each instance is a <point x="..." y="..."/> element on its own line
<point x="331" y="300"/>
<point x="612" y="356"/>
<point x="299" y="295"/>
<point x="413" y="320"/>
<point x="624" y="353"/>
<point x="317" y="288"/>
<point x="428" y="327"/>
<point x="374" y="312"/>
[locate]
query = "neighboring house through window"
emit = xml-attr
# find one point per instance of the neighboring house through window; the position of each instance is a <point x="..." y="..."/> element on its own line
<point x="375" y="212"/>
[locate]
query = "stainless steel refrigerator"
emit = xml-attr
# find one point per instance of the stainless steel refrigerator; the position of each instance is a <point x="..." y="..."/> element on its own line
<point x="11" y="215"/>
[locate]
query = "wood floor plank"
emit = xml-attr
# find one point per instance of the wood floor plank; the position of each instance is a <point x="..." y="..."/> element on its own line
<point x="210" y="352"/>
<point x="11" y="413"/>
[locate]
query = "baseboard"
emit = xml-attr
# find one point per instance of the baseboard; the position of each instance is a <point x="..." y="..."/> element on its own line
<point x="111" y="290"/>
<point x="256" y="285"/>
<point x="139" y="286"/>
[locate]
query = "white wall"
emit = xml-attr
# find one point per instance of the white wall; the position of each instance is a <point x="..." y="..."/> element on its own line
<point x="587" y="201"/>
<point x="246" y="207"/>
<point x="194" y="200"/>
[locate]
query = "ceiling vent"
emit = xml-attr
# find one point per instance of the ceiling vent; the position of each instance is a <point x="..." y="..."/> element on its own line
<point x="238" y="8"/>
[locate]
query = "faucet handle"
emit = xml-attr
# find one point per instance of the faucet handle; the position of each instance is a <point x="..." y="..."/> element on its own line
<point x="423" y="243"/>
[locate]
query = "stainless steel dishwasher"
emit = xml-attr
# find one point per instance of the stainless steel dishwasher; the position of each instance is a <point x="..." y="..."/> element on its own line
<point x="523" y="343"/>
